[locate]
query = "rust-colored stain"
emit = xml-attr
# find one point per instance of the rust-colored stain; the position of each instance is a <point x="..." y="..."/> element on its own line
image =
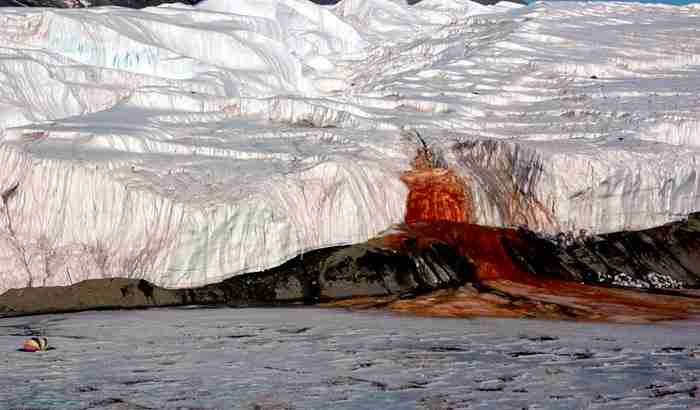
<point x="439" y="210"/>
<point x="435" y="194"/>
<point x="481" y="244"/>
<point x="500" y="288"/>
<point x="552" y="300"/>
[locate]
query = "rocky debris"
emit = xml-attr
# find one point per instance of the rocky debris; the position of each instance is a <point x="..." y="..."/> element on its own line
<point x="374" y="268"/>
<point x="665" y="257"/>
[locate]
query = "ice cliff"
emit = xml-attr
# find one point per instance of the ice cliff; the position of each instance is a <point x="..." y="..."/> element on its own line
<point x="186" y="144"/>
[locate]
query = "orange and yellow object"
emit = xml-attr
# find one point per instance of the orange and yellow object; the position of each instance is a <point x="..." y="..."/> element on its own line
<point x="35" y="344"/>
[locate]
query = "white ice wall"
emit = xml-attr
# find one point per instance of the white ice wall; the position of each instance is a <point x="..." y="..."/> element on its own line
<point x="186" y="145"/>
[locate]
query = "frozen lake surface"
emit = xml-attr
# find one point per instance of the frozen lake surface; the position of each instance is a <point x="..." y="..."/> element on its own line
<point x="308" y="358"/>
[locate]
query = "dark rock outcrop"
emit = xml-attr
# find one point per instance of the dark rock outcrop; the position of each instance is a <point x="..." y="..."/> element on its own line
<point x="663" y="257"/>
<point x="364" y="270"/>
<point x="115" y="293"/>
<point x="368" y="269"/>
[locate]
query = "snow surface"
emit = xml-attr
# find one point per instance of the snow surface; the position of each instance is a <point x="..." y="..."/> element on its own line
<point x="321" y="359"/>
<point x="186" y="145"/>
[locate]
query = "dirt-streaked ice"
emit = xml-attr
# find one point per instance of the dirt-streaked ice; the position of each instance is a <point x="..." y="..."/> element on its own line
<point x="186" y="145"/>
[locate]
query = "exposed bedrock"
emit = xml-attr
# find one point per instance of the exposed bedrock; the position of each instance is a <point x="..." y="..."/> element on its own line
<point x="664" y="257"/>
<point x="375" y="268"/>
<point x="113" y="293"/>
<point x="372" y="269"/>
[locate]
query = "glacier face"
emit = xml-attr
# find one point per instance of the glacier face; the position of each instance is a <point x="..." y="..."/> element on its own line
<point x="189" y="144"/>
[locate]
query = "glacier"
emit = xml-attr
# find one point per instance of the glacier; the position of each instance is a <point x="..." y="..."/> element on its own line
<point x="188" y="144"/>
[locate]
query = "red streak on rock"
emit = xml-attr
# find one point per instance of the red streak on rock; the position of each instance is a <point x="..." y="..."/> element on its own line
<point x="502" y="289"/>
<point x="480" y="244"/>
<point x="439" y="209"/>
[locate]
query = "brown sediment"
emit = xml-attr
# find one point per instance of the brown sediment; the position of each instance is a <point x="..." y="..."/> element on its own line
<point x="551" y="300"/>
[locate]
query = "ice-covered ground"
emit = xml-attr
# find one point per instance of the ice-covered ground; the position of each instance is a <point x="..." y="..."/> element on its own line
<point x="186" y="145"/>
<point x="325" y="359"/>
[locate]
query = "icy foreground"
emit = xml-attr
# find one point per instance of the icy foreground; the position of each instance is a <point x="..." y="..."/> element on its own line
<point x="319" y="359"/>
<point x="186" y="145"/>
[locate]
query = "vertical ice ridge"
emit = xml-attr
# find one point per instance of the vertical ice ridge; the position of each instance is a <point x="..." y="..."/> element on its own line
<point x="95" y="226"/>
<point x="235" y="135"/>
